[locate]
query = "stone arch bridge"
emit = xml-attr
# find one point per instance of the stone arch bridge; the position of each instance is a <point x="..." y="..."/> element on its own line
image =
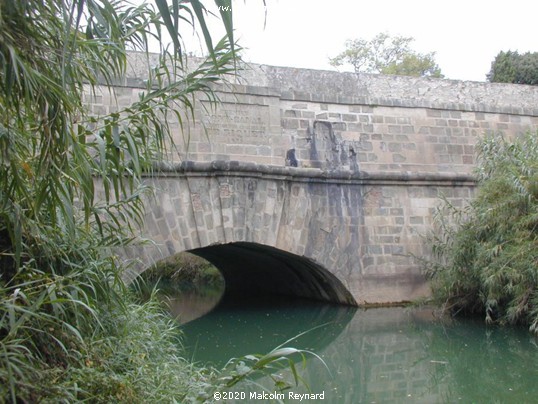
<point x="321" y="184"/>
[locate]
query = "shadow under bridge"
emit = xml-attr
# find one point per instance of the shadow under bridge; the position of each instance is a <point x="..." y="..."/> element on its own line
<point x="254" y="269"/>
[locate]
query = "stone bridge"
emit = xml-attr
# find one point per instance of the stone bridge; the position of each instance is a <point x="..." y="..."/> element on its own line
<point x="321" y="184"/>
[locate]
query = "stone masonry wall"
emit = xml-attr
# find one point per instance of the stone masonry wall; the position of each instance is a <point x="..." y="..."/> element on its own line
<point x="330" y="135"/>
<point x="364" y="230"/>
<point x="343" y="169"/>
<point x="330" y="120"/>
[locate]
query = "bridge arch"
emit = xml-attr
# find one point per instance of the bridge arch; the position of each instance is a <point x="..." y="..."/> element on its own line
<point x="340" y="236"/>
<point x="267" y="229"/>
<point x="253" y="269"/>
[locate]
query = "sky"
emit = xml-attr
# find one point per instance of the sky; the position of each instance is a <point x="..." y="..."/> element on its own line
<point x="465" y="34"/>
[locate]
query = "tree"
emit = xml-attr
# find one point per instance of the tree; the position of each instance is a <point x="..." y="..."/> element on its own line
<point x="387" y="55"/>
<point x="61" y="300"/>
<point x="512" y="67"/>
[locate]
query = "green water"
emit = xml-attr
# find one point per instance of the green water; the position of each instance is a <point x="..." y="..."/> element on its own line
<point x="376" y="356"/>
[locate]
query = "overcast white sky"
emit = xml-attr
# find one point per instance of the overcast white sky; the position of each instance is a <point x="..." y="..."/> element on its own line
<point x="465" y="34"/>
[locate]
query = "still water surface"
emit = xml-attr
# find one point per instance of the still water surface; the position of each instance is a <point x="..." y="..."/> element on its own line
<point x="381" y="355"/>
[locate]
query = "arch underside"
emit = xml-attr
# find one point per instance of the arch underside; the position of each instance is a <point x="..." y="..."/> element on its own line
<point x="255" y="269"/>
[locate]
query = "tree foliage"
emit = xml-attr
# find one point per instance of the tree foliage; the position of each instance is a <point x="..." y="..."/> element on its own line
<point x="387" y="55"/>
<point x="487" y="253"/>
<point x="58" y="277"/>
<point x="512" y="67"/>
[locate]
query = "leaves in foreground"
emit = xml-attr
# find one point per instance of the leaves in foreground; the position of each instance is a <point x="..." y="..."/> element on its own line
<point x="68" y="330"/>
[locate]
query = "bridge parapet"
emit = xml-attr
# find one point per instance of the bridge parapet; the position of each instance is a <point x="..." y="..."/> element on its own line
<point x="345" y="121"/>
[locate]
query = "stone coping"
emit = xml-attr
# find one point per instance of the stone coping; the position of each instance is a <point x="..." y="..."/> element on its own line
<point x="221" y="168"/>
<point x="326" y="86"/>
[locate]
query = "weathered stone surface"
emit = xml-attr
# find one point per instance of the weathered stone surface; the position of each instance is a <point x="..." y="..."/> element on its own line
<point x="342" y="236"/>
<point x="318" y="183"/>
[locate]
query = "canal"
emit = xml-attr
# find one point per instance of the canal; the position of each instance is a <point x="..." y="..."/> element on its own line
<point x="382" y="355"/>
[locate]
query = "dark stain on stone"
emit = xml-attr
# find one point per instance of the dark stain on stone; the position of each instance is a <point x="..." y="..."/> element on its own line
<point x="291" y="160"/>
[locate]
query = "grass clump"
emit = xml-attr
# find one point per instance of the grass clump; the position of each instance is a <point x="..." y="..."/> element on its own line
<point x="486" y="254"/>
<point x="82" y="336"/>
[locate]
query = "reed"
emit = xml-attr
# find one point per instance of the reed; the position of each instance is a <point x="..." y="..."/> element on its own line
<point x="487" y="253"/>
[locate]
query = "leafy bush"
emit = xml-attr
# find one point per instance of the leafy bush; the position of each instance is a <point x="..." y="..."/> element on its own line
<point x="512" y="67"/>
<point x="69" y="330"/>
<point x="487" y="253"/>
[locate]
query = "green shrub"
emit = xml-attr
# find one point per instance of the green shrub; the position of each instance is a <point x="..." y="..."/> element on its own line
<point x="69" y="330"/>
<point x="487" y="253"/>
<point x="512" y="67"/>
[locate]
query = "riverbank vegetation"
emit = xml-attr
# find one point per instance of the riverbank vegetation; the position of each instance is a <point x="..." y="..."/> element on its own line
<point x="186" y="272"/>
<point x="181" y="277"/>
<point x="487" y="253"/>
<point x="69" y="329"/>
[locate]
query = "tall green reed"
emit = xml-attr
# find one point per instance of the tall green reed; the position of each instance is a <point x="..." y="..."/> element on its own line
<point x="487" y="253"/>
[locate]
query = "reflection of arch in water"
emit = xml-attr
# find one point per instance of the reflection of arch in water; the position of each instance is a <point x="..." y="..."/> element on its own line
<point x="258" y="324"/>
<point x="382" y="356"/>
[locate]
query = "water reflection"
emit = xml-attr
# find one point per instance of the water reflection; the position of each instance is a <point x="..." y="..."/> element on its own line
<point x="238" y="327"/>
<point x="379" y="355"/>
<point x="192" y="304"/>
